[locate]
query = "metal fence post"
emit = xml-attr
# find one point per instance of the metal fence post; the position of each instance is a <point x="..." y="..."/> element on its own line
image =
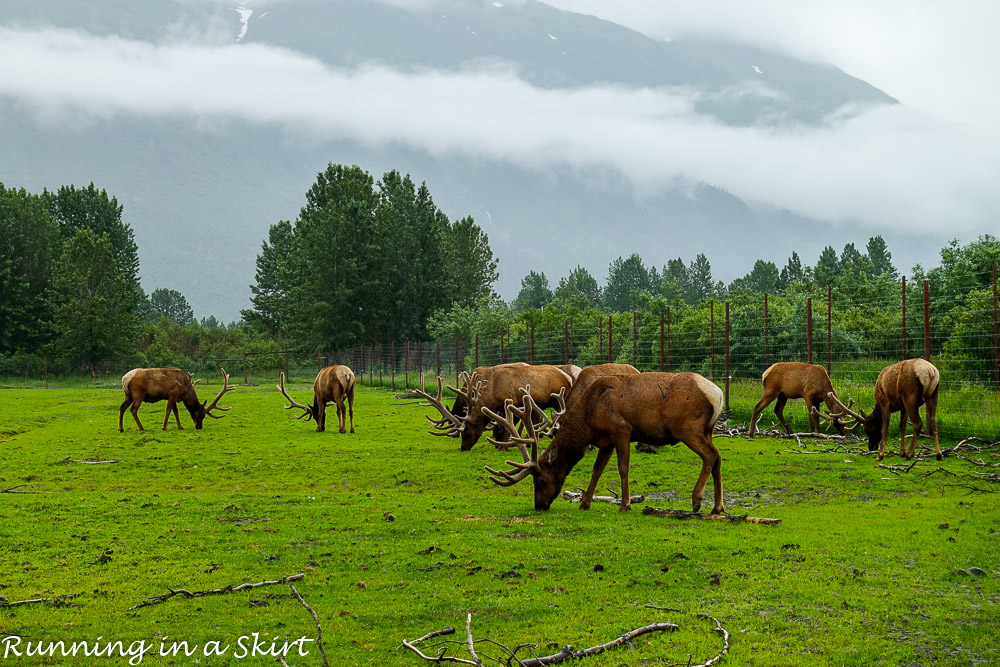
<point x="996" y="333"/>
<point x="927" y="320"/>
<point x="726" y="406"/>
<point x="633" y="338"/>
<point x="767" y="352"/>
<point x="611" y="335"/>
<point x="668" y="339"/>
<point x="809" y="329"/>
<point x="566" y="341"/>
<point x="661" y="341"/>
<point x="904" y="316"/>
<point x="711" y="314"/>
<point x="829" y="329"/>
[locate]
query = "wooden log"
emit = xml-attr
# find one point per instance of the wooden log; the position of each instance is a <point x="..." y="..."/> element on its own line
<point x="732" y="518"/>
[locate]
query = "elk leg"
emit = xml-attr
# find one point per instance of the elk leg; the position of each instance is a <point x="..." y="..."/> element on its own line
<point x="121" y="413"/>
<point x="177" y="416"/>
<point x="135" y="414"/>
<point x="341" y="416"/>
<point x="166" y="417"/>
<point x="600" y="463"/>
<point x="779" y="412"/>
<point x="711" y="464"/>
<point x="350" y="408"/>
<point x="913" y="410"/>
<point x="320" y="416"/>
<point x="886" y="417"/>
<point x="764" y="401"/>
<point x="931" y="409"/>
<point x="902" y="431"/>
<point x="622" y="450"/>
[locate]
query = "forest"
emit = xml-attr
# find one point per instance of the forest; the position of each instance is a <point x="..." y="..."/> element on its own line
<point x="375" y="262"/>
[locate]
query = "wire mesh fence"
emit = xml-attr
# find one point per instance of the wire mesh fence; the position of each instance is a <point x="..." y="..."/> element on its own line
<point x="730" y="342"/>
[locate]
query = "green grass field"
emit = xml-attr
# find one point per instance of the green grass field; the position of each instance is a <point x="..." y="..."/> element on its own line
<point x="398" y="533"/>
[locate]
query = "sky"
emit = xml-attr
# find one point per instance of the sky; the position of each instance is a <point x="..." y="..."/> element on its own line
<point x="928" y="166"/>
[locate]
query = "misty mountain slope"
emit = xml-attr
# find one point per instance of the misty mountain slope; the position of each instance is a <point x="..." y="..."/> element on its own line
<point x="201" y="194"/>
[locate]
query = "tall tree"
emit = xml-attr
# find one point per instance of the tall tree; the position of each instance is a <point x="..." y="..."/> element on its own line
<point x="579" y="288"/>
<point x="29" y="246"/>
<point x="675" y="282"/>
<point x="879" y="259"/>
<point x="701" y="286"/>
<point x="171" y="304"/>
<point x="94" y="307"/>
<point x="793" y="271"/>
<point x="827" y="267"/>
<point x="535" y="292"/>
<point x="469" y="268"/>
<point x="764" y="278"/>
<point x="75" y="208"/>
<point x="270" y="289"/>
<point x="626" y="279"/>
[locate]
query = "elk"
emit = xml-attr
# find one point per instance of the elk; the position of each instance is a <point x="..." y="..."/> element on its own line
<point x="333" y="384"/>
<point x="505" y="383"/>
<point x="658" y="408"/>
<point x="586" y="376"/>
<point x="902" y="387"/>
<point x="151" y="385"/>
<point x="484" y="373"/>
<point x="793" y="379"/>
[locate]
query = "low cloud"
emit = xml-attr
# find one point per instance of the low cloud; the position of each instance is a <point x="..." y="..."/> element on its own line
<point x="889" y="167"/>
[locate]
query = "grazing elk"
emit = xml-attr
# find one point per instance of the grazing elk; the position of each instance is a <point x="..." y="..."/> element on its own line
<point x="333" y="384"/>
<point x="151" y="385"/>
<point x="659" y="408"/>
<point x="902" y="387"/>
<point x="481" y="373"/>
<point x="505" y="383"/>
<point x="793" y="379"/>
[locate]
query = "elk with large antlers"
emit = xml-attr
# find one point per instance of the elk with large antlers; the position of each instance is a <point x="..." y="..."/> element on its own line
<point x="333" y="384"/>
<point x="658" y="408"/>
<point x="794" y="379"/>
<point x="544" y="381"/>
<point x="482" y="374"/>
<point x="151" y="385"/>
<point x="903" y="388"/>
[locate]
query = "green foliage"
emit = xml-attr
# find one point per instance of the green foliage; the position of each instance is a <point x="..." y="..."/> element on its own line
<point x="627" y="278"/>
<point x="171" y="304"/>
<point x="579" y="288"/>
<point x="535" y="292"/>
<point x="94" y="311"/>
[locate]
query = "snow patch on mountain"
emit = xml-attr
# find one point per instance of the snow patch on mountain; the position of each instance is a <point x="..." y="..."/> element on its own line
<point x="245" y="14"/>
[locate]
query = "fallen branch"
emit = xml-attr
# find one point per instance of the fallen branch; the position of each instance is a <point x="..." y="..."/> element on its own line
<point x="11" y="489"/>
<point x="725" y="641"/>
<point x="732" y="518"/>
<point x="89" y="461"/>
<point x="319" y="630"/>
<point x="615" y="500"/>
<point x="218" y="591"/>
<point x="567" y="653"/>
<point x="5" y="603"/>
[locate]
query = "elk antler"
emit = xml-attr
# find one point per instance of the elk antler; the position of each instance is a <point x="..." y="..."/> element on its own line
<point x="845" y="410"/>
<point x="530" y="464"/>
<point x="307" y="409"/>
<point x="547" y="426"/>
<point x="215" y="403"/>
<point x="449" y="424"/>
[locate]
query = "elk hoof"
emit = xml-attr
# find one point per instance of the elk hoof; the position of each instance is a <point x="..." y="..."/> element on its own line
<point x="625" y="507"/>
<point x="940" y="457"/>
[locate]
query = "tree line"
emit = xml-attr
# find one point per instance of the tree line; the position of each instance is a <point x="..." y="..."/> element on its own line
<point x="376" y="261"/>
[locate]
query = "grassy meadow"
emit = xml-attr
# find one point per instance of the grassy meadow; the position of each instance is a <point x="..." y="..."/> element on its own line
<point x="399" y="533"/>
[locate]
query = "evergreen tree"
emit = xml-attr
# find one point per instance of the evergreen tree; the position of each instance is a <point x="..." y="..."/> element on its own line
<point x="764" y="278"/>
<point x="793" y="271"/>
<point x="626" y="280"/>
<point x="273" y="278"/>
<point x="469" y="269"/>
<point x="880" y="259"/>
<point x="94" y="306"/>
<point x="702" y="285"/>
<point x="828" y="267"/>
<point x="535" y="292"/>
<point x="171" y="304"/>
<point x="675" y="283"/>
<point x="29" y="247"/>
<point x="74" y="208"/>
<point x="579" y="289"/>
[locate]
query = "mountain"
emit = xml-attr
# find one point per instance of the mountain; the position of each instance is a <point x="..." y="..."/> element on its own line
<point x="201" y="194"/>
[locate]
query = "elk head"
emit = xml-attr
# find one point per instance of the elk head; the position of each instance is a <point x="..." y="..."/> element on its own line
<point x="850" y="419"/>
<point x="450" y="424"/>
<point x="203" y="410"/>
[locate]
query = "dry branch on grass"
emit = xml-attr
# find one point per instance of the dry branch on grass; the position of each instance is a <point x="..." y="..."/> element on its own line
<point x="89" y="461"/>
<point x="157" y="599"/>
<point x="684" y="514"/>
<point x="567" y="652"/>
<point x="574" y="497"/>
<point x="13" y="489"/>
<point x="4" y="603"/>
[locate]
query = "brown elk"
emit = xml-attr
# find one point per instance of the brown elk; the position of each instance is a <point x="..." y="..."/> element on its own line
<point x="505" y="383"/>
<point x="658" y="408"/>
<point x="151" y="385"/>
<point x="482" y="373"/>
<point x="902" y="387"/>
<point x="333" y="384"/>
<point x="793" y="379"/>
